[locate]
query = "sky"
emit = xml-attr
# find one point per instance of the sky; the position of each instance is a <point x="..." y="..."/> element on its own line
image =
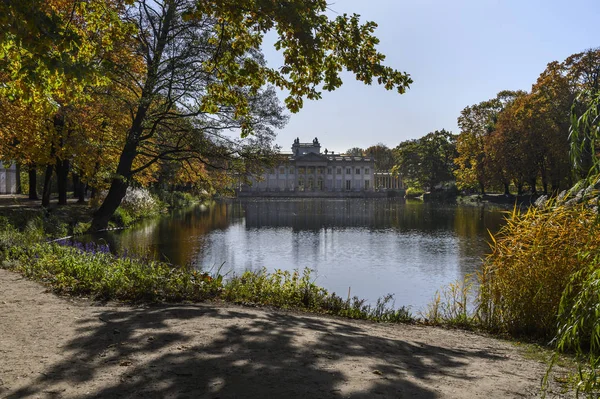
<point x="458" y="53"/>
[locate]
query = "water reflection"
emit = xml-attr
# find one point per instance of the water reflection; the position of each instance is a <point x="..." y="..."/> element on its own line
<point x="374" y="246"/>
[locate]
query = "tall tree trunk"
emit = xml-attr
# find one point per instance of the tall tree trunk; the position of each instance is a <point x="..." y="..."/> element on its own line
<point x="120" y="182"/>
<point x="62" y="175"/>
<point x="47" y="186"/>
<point x="78" y="188"/>
<point x="32" y="172"/>
<point x="506" y="189"/>
<point x="482" y="188"/>
<point x="18" y="178"/>
<point x="519" y="188"/>
<point x="532" y="186"/>
<point x="75" y="184"/>
<point x="118" y="188"/>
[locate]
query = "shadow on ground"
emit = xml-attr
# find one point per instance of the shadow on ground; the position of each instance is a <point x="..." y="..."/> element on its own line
<point x="209" y="352"/>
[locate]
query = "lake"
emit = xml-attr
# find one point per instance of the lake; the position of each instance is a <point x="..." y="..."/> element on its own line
<point x="374" y="246"/>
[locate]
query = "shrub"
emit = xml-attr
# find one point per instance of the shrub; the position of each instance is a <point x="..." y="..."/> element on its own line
<point x="177" y="199"/>
<point x="287" y="289"/>
<point x="534" y="256"/>
<point x="413" y="192"/>
<point x="140" y="203"/>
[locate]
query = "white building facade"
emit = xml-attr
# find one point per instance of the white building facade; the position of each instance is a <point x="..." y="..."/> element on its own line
<point x="308" y="170"/>
<point x="8" y="179"/>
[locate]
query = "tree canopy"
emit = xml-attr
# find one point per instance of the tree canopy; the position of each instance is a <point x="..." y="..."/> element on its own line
<point x="154" y="86"/>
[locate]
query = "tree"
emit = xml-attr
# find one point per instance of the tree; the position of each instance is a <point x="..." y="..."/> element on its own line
<point x="51" y="53"/>
<point x="384" y="156"/>
<point x="428" y="161"/>
<point x="355" y="151"/>
<point x="203" y="64"/>
<point x="476" y="166"/>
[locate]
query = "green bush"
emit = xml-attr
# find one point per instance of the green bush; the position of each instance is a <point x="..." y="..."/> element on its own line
<point x="100" y="274"/>
<point x="287" y="289"/>
<point x="413" y="192"/>
<point x="177" y="199"/>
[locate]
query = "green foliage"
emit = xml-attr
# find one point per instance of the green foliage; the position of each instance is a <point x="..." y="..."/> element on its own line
<point x="355" y="151"/>
<point x="122" y="218"/>
<point x="428" y="161"/>
<point x="97" y="273"/>
<point x="413" y="192"/>
<point x="178" y="199"/>
<point x="103" y="276"/>
<point x="138" y="204"/>
<point x="585" y="133"/>
<point x="287" y="289"/>
<point x="384" y="156"/>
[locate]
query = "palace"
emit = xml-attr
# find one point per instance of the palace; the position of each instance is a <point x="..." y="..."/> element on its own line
<point x="308" y="170"/>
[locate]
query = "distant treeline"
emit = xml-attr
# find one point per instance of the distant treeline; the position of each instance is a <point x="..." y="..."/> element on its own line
<point x="517" y="141"/>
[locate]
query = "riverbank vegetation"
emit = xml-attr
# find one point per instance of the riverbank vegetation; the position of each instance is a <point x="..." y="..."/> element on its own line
<point x="91" y="270"/>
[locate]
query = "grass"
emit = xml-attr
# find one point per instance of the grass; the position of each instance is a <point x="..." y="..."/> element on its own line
<point x="451" y="306"/>
<point x="92" y="271"/>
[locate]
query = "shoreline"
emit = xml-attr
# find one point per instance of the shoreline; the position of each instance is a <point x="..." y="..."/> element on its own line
<point x="69" y="347"/>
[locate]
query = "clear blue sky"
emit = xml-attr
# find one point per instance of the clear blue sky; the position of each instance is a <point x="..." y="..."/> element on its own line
<point x="458" y="52"/>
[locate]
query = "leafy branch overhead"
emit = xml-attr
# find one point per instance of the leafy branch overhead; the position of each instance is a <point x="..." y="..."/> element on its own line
<point x="315" y="48"/>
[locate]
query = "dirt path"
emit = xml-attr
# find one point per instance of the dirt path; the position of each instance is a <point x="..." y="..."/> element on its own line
<point x="53" y="347"/>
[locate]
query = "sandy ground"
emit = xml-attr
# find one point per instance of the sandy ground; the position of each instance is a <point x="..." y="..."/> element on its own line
<point x="53" y="347"/>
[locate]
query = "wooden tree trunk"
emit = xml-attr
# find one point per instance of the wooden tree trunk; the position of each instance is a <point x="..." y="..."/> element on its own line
<point x="62" y="175"/>
<point x="18" y="178"/>
<point x="118" y="188"/>
<point x="75" y="185"/>
<point x="47" y="186"/>
<point x="32" y="172"/>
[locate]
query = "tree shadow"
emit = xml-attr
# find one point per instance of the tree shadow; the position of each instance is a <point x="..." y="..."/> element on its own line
<point x="211" y="352"/>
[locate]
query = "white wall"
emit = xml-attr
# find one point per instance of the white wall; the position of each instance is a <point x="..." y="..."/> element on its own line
<point x="8" y="179"/>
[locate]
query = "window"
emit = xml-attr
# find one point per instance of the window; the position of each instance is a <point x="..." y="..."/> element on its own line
<point x="320" y="184"/>
<point x="338" y="184"/>
<point x="367" y="171"/>
<point x="348" y="184"/>
<point x="301" y="170"/>
<point x="339" y="171"/>
<point x="358" y="171"/>
<point x="311" y="170"/>
<point x="282" y="171"/>
<point x="291" y="170"/>
<point x="348" y="171"/>
<point x="367" y="182"/>
<point x="329" y="171"/>
<point x="320" y="170"/>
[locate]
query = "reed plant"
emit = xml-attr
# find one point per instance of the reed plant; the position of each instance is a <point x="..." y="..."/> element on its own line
<point x="452" y="306"/>
<point x="533" y="259"/>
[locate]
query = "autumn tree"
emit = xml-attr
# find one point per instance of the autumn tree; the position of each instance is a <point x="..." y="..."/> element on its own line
<point x="384" y="156"/>
<point x="203" y="63"/>
<point x="51" y="53"/>
<point x="355" y="151"/>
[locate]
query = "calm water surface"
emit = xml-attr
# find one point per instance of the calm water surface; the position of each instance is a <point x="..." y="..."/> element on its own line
<point x="374" y="246"/>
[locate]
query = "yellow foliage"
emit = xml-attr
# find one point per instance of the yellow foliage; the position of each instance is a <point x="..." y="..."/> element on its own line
<point x="532" y="260"/>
